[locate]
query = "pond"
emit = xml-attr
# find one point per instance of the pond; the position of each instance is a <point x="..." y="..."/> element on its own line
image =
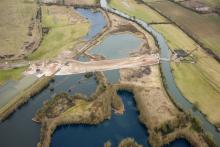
<point x="117" y="46"/>
<point x="114" y="130"/>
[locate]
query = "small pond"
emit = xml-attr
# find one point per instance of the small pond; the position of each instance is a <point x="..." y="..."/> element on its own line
<point x="117" y="46"/>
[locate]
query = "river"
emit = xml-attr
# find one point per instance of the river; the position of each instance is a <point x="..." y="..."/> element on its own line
<point x="172" y="89"/>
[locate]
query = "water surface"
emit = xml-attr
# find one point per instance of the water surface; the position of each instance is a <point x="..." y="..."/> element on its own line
<point x="117" y="46"/>
<point x="179" y="143"/>
<point x="112" y="76"/>
<point x="115" y="129"/>
<point x="96" y="19"/>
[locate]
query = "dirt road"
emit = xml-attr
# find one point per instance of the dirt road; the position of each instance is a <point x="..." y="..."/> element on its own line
<point x="74" y="67"/>
<point x="69" y="66"/>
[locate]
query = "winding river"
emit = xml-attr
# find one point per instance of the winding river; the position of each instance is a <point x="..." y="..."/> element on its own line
<point x="172" y="89"/>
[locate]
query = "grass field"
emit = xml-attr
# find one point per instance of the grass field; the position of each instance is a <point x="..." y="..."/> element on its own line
<point x="12" y="74"/>
<point x="15" y="16"/>
<point x="204" y="28"/>
<point x="199" y="82"/>
<point x="66" y="27"/>
<point x="132" y="8"/>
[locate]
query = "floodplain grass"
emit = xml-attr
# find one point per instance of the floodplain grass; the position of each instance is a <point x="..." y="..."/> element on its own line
<point x="66" y="28"/>
<point x="11" y="74"/>
<point x="15" y="16"/>
<point x="140" y="11"/>
<point x="203" y="28"/>
<point x="199" y="82"/>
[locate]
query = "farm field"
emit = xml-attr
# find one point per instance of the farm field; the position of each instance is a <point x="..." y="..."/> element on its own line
<point x="15" y="18"/>
<point x="66" y="27"/>
<point x="203" y="28"/>
<point x="213" y="4"/>
<point x="199" y="82"/>
<point x="141" y="11"/>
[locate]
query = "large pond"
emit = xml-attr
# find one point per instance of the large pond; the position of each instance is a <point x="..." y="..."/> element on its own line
<point x="117" y="46"/>
<point x="114" y="130"/>
<point x="96" y="20"/>
<point x="172" y="89"/>
<point x="20" y="131"/>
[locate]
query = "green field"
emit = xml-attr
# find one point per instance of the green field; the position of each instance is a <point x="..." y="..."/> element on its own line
<point x="12" y="74"/>
<point x="199" y="82"/>
<point x="140" y="11"/>
<point x="15" y="16"/>
<point x="204" y="28"/>
<point x="65" y="28"/>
